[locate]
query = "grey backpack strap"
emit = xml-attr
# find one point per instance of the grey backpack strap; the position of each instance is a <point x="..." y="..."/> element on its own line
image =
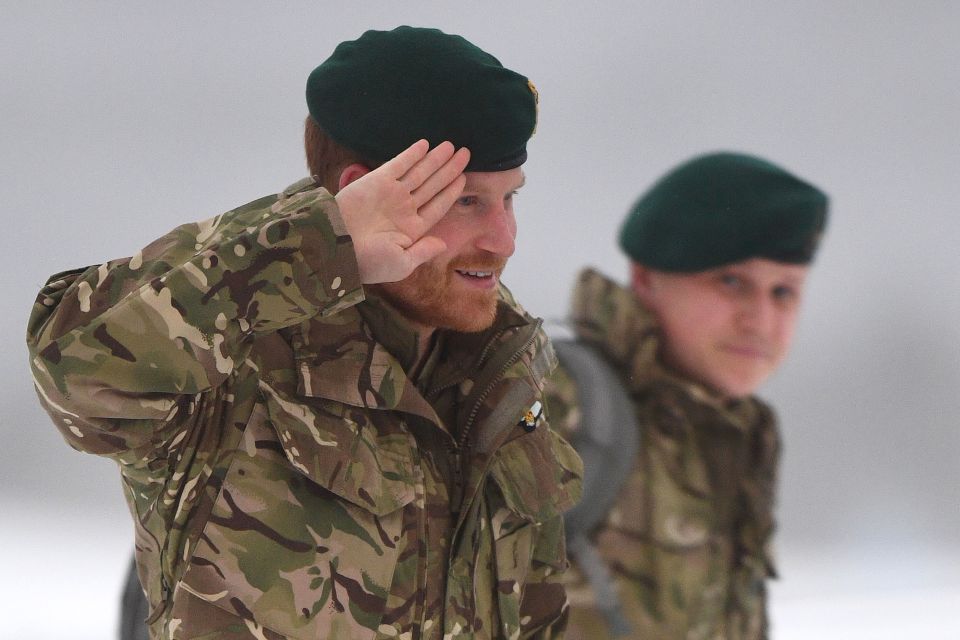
<point x="608" y="441"/>
<point x="133" y="607"/>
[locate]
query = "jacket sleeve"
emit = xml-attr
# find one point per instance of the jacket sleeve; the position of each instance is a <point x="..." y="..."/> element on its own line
<point x="119" y="343"/>
<point x="755" y="534"/>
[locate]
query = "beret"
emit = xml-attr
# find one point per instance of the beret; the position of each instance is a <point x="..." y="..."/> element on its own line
<point x="720" y="208"/>
<point x="382" y="92"/>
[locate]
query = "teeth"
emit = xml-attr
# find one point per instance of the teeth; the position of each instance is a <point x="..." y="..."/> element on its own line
<point x="478" y="274"/>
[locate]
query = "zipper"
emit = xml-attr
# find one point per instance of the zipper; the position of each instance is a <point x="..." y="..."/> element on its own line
<point x="468" y="425"/>
<point x="455" y="449"/>
<point x="432" y="393"/>
<point x="462" y="445"/>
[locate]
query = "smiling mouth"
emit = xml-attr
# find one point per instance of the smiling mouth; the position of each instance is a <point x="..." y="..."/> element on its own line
<point x="479" y="279"/>
<point x="475" y="274"/>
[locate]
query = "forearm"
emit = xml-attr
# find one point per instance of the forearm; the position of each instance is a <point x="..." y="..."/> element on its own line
<point x="125" y="339"/>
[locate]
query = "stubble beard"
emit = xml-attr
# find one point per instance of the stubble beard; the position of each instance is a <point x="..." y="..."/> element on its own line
<point x="430" y="297"/>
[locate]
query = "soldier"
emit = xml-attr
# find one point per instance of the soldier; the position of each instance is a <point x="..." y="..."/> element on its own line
<point x="321" y="401"/>
<point x="677" y="545"/>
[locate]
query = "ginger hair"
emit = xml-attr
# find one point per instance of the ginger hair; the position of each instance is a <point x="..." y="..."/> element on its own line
<point x="326" y="158"/>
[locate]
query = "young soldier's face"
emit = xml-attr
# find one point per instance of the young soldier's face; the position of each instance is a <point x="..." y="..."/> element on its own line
<point x="728" y="328"/>
<point x="458" y="289"/>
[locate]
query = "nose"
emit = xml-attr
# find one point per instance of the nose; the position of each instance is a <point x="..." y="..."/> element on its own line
<point x="758" y="313"/>
<point x="499" y="231"/>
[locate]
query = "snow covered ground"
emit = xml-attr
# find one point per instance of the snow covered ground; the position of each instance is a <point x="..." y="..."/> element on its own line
<point x="867" y="594"/>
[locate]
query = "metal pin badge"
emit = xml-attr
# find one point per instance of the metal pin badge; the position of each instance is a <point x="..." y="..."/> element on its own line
<point x="531" y="417"/>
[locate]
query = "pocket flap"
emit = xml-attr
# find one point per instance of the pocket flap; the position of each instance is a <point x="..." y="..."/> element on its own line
<point x="539" y="475"/>
<point x="337" y="448"/>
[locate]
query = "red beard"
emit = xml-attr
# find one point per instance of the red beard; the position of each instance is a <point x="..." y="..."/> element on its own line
<point x="432" y="296"/>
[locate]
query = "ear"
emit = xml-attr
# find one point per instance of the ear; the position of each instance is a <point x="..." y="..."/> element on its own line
<point x="641" y="281"/>
<point x="352" y="172"/>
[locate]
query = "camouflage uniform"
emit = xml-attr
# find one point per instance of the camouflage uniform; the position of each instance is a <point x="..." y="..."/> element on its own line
<point x="687" y="538"/>
<point x="288" y="479"/>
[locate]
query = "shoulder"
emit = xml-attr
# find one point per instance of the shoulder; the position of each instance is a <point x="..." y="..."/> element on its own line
<point x="562" y="400"/>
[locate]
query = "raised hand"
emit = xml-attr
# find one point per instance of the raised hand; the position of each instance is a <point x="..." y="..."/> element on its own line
<point x="389" y="210"/>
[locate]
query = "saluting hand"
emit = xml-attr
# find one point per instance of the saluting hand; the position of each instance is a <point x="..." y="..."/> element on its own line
<point x="389" y="210"/>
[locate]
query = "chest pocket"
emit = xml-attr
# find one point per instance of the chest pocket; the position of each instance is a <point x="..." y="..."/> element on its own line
<point x="306" y="533"/>
<point x="665" y="531"/>
<point x="537" y="477"/>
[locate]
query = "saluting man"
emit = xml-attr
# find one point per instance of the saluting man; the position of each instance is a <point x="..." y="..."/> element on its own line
<point x="320" y="401"/>
<point x="720" y="248"/>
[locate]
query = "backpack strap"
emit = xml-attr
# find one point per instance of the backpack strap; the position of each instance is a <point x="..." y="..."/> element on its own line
<point x="134" y="609"/>
<point x="608" y="441"/>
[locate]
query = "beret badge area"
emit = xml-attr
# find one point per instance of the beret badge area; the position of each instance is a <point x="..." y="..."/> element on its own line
<point x="536" y="104"/>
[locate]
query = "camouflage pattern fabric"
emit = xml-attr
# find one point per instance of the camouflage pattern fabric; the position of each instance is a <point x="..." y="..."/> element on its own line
<point x="687" y="538"/>
<point x="287" y="479"/>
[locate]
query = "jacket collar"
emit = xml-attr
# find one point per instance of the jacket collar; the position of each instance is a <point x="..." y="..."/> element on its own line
<point x="611" y="318"/>
<point x="357" y="356"/>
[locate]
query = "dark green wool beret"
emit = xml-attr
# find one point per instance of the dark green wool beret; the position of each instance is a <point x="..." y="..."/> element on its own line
<point x="382" y="92"/>
<point x="722" y="208"/>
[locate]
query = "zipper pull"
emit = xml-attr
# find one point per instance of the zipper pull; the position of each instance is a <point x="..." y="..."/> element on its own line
<point x="162" y="605"/>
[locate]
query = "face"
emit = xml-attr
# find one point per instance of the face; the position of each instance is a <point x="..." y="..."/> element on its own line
<point x="728" y="328"/>
<point x="458" y="289"/>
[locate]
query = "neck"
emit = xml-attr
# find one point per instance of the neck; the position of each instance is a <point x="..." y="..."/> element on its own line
<point x="425" y="336"/>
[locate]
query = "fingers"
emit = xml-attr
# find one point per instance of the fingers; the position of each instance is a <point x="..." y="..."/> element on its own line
<point x="437" y="207"/>
<point x="441" y="176"/>
<point x="427" y="166"/>
<point x="425" y="172"/>
<point x="400" y="164"/>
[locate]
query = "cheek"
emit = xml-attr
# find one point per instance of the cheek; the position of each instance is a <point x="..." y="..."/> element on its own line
<point x="685" y="337"/>
<point x="452" y="235"/>
<point x="703" y="319"/>
<point x="512" y="225"/>
<point x="786" y="331"/>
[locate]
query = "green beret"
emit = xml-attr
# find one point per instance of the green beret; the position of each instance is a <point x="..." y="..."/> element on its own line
<point x="722" y="208"/>
<point x="382" y="92"/>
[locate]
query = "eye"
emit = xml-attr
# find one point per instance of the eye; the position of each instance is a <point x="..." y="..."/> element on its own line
<point x="784" y="293"/>
<point x="467" y="201"/>
<point x="731" y="281"/>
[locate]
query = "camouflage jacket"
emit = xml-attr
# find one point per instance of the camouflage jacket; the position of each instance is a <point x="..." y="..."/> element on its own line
<point x="287" y="479"/>
<point x="687" y="537"/>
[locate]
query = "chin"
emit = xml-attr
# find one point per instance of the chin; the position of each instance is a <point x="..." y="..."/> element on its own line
<point x="743" y="387"/>
<point x="462" y="315"/>
<point x="475" y="319"/>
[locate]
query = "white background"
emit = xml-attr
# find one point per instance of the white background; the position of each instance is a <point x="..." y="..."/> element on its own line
<point x="121" y="120"/>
